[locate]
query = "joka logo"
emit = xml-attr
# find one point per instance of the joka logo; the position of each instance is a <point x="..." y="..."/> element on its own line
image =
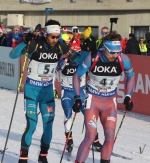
<point x="50" y="109"/>
<point x="48" y="56"/>
<point x="105" y="69"/>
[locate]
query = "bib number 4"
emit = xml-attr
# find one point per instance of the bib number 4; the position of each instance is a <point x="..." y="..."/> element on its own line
<point x="104" y="82"/>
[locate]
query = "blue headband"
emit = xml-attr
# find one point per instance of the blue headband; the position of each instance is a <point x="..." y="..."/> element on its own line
<point x="112" y="45"/>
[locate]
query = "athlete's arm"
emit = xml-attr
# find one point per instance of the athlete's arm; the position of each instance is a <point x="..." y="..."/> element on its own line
<point x="22" y="48"/>
<point x="129" y="73"/>
<point x="60" y="65"/>
<point x="81" y="70"/>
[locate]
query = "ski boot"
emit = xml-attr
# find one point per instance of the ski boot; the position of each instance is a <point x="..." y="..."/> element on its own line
<point x="23" y="156"/>
<point x="77" y="162"/>
<point x="70" y="142"/>
<point x="96" y="144"/>
<point x="104" y="161"/>
<point x="43" y="153"/>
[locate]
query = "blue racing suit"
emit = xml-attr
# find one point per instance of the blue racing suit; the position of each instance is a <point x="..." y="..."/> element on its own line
<point x="39" y="87"/>
<point x="67" y="93"/>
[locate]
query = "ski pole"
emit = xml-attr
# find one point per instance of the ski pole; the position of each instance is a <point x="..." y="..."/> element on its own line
<point x="68" y="137"/>
<point x="82" y="128"/>
<point x="93" y="152"/>
<point x="120" y="126"/>
<point x="18" y="90"/>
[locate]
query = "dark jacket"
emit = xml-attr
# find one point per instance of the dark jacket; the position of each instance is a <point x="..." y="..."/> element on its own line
<point x="132" y="47"/>
<point x="3" y="41"/>
<point x="89" y="44"/>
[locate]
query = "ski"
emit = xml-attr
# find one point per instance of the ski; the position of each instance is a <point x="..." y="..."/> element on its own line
<point x="121" y="156"/>
<point x="68" y="156"/>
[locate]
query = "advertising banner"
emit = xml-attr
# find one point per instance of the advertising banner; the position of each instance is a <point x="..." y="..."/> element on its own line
<point x="9" y="69"/>
<point x="141" y="94"/>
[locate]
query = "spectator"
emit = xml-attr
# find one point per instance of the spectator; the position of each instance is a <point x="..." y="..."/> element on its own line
<point x="104" y="32"/>
<point x="143" y="47"/>
<point x="132" y="46"/>
<point x="76" y="35"/>
<point x="16" y="30"/>
<point x="3" y="41"/>
<point x="37" y="32"/>
<point x="89" y="42"/>
<point x="126" y="40"/>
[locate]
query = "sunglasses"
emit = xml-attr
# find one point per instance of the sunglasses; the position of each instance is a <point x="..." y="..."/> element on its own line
<point x="111" y="52"/>
<point x="75" y="31"/>
<point x="37" y="31"/>
<point x="104" y="33"/>
<point x="53" y="37"/>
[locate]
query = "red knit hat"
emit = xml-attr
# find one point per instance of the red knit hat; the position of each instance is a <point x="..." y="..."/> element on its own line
<point x="65" y="29"/>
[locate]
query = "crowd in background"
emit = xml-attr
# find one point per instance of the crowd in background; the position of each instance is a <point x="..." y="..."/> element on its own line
<point x="11" y="37"/>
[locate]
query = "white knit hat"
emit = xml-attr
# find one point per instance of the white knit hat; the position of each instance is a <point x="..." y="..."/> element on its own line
<point x="74" y="27"/>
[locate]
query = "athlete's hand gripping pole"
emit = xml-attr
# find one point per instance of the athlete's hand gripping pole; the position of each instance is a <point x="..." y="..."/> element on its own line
<point x="77" y="104"/>
<point x="128" y="103"/>
<point x="68" y="137"/>
<point x="18" y="90"/>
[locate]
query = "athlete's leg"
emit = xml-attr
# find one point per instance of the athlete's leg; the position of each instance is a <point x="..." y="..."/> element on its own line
<point x="97" y="145"/>
<point x="67" y="103"/>
<point x="91" y="115"/>
<point x="108" y="118"/>
<point x="47" y="109"/>
<point x="30" y="104"/>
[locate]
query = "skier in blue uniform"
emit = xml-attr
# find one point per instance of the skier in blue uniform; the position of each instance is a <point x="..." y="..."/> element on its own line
<point x="43" y="55"/>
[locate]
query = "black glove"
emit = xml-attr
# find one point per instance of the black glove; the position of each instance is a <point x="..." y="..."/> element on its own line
<point x="28" y="37"/>
<point x="128" y="103"/>
<point x="77" y="104"/>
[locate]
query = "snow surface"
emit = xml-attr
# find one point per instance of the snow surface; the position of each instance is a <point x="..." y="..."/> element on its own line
<point x="134" y="133"/>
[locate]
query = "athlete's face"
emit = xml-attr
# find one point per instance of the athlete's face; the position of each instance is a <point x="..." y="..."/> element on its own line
<point x="111" y="57"/>
<point x="52" y="38"/>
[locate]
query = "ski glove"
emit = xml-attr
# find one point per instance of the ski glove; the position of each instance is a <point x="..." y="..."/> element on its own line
<point x="28" y="37"/>
<point x="77" y="104"/>
<point x="128" y="103"/>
